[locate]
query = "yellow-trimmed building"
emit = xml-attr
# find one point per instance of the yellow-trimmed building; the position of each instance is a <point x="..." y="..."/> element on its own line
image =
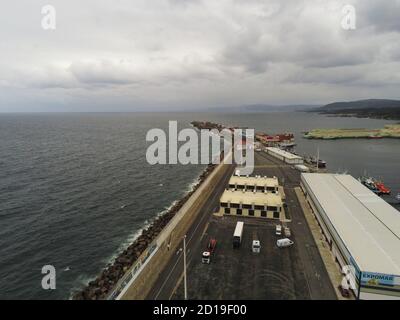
<point x="257" y="184"/>
<point x="252" y="204"/>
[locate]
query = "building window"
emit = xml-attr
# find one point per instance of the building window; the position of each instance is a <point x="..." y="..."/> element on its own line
<point x="235" y="205"/>
<point x="264" y="213"/>
<point x="224" y="205"/>
<point x="276" y="215"/>
<point x="247" y="206"/>
<point x="239" y="212"/>
<point x="232" y="186"/>
<point x="240" y="187"/>
<point x="259" y="207"/>
<point x="260" y="188"/>
<point x="272" y="209"/>
<point x="250" y="188"/>
<point x="227" y="211"/>
<point x="251" y="213"/>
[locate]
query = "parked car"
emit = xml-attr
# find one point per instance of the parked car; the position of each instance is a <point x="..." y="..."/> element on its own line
<point x="256" y="246"/>
<point x="287" y="232"/>
<point x="278" y="230"/>
<point x="345" y="292"/>
<point x="285" y="242"/>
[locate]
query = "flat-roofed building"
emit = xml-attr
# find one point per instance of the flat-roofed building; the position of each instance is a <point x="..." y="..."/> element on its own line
<point x="252" y="204"/>
<point x="362" y="230"/>
<point x="284" y="156"/>
<point x="257" y="183"/>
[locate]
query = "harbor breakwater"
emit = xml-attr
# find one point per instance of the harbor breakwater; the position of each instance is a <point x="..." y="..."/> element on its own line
<point x="105" y="283"/>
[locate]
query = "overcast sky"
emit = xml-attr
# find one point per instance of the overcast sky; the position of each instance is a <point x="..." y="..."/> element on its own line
<point x="167" y="54"/>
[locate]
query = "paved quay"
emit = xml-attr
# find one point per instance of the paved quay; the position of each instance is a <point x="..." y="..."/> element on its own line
<point x="297" y="272"/>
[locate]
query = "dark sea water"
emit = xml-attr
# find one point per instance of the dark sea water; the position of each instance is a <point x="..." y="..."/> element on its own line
<point x="75" y="189"/>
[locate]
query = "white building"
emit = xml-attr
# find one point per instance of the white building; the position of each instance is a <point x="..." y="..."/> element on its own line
<point x="257" y="183"/>
<point x="284" y="156"/>
<point x="252" y="204"/>
<point x="362" y="231"/>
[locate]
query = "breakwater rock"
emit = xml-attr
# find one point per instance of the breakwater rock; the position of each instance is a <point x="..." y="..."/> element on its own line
<point x="104" y="284"/>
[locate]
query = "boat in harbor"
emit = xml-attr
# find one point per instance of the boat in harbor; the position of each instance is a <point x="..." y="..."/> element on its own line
<point x="314" y="161"/>
<point x="382" y="188"/>
<point x="376" y="186"/>
<point x="398" y="197"/>
<point x="370" y="184"/>
<point x="287" y="145"/>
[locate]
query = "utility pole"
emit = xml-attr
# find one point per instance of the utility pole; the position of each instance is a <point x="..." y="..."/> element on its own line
<point x="184" y="267"/>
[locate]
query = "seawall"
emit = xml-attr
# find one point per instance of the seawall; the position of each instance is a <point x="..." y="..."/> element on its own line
<point x="142" y="276"/>
<point x="114" y="277"/>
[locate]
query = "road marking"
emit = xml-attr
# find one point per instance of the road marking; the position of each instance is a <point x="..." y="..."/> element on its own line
<point x="169" y="275"/>
<point x="180" y="253"/>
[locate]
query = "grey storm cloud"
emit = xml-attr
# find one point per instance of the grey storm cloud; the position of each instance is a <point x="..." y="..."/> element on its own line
<point x="198" y="53"/>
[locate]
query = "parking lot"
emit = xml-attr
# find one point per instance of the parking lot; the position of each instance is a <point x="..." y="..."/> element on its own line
<point x="274" y="273"/>
<point x="296" y="272"/>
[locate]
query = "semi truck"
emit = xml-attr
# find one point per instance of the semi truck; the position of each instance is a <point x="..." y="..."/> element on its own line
<point x="206" y="257"/>
<point x="237" y="235"/>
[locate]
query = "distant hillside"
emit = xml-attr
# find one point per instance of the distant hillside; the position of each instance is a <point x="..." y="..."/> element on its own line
<point x="372" y="108"/>
<point x="261" y="108"/>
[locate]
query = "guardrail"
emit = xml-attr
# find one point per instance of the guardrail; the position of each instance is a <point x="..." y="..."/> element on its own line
<point x="130" y="276"/>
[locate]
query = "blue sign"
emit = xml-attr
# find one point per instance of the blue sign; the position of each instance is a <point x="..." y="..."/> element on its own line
<point x="371" y="278"/>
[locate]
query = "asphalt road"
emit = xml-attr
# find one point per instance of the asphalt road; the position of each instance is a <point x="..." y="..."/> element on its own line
<point x="296" y="273"/>
<point x="170" y="277"/>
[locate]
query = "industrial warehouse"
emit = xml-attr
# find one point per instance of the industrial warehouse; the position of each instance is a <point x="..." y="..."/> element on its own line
<point x="284" y="156"/>
<point x="362" y="231"/>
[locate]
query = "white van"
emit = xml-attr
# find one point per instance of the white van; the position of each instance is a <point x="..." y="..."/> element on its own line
<point x="256" y="246"/>
<point x="281" y="243"/>
<point x="278" y="230"/>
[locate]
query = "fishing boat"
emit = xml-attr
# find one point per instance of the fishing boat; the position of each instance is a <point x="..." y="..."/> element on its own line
<point x="382" y="188"/>
<point x="398" y="197"/>
<point x="370" y="184"/>
<point x="376" y="186"/>
<point x="314" y="161"/>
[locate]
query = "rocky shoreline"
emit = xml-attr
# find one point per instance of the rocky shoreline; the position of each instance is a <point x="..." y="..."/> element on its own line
<point x="99" y="288"/>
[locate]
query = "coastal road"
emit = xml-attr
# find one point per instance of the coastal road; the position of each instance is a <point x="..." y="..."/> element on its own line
<point x="172" y="274"/>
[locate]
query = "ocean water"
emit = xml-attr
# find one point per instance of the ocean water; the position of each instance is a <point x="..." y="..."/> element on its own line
<point x="75" y="189"/>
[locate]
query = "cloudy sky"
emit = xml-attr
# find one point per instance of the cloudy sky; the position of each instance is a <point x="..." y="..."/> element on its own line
<point x="168" y="54"/>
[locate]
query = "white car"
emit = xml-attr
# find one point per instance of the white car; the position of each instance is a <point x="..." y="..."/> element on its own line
<point x="278" y="230"/>
<point x="256" y="246"/>
<point x="281" y="243"/>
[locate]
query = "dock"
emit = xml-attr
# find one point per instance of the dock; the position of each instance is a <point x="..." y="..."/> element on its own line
<point x="295" y="273"/>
